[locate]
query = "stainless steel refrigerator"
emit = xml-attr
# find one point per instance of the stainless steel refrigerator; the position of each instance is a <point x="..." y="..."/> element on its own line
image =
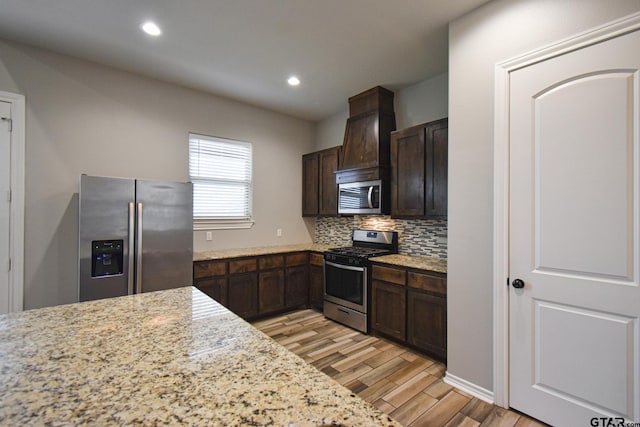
<point x="134" y="236"/>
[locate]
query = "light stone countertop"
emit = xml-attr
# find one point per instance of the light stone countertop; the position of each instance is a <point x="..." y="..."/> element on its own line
<point x="423" y="263"/>
<point x="263" y="250"/>
<point x="172" y="357"/>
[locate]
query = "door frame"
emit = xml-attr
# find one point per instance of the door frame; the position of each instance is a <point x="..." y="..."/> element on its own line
<point x="501" y="183"/>
<point x="16" y="215"/>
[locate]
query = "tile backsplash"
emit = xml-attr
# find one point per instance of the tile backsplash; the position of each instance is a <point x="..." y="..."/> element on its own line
<point x="420" y="237"/>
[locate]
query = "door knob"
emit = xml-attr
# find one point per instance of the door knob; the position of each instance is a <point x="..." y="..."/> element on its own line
<point x="518" y="284"/>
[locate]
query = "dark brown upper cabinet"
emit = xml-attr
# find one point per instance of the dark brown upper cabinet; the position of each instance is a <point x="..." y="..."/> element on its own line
<point x="419" y="157"/>
<point x="329" y="160"/>
<point x="310" y="184"/>
<point x="319" y="188"/>
<point x="365" y="149"/>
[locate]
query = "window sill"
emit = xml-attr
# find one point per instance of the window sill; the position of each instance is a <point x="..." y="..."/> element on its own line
<point x="211" y="224"/>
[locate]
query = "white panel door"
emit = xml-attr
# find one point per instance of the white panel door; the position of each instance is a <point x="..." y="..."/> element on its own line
<point x="5" y="205"/>
<point x="574" y="235"/>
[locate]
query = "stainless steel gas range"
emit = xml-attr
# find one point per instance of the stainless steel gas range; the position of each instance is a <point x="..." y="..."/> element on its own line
<point x="347" y="280"/>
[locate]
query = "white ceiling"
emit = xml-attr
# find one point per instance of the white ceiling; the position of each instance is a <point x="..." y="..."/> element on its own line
<point x="246" y="49"/>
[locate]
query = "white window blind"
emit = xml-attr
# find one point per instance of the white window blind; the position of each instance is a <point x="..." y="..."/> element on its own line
<point x="220" y="170"/>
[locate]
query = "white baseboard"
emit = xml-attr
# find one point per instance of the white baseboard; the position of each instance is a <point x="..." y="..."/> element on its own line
<point x="470" y="388"/>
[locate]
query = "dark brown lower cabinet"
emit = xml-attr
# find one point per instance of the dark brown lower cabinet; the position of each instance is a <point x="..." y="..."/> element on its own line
<point x="216" y="288"/>
<point x="407" y="304"/>
<point x="296" y="279"/>
<point x="271" y="291"/>
<point x="316" y="286"/>
<point x="297" y="286"/>
<point x="243" y="294"/>
<point x="255" y="286"/>
<point x="388" y="308"/>
<point x="211" y="278"/>
<point x="316" y="280"/>
<point x="410" y="305"/>
<point x="427" y="322"/>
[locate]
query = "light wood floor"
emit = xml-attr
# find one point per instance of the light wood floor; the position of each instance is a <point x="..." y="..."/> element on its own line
<point x="402" y="383"/>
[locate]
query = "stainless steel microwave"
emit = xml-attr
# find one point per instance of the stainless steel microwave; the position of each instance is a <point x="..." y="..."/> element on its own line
<point x="360" y="197"/>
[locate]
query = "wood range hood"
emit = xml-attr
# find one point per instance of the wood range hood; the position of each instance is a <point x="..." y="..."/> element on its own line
<point x="367" y="141"/>
<point x="365" y="149"/>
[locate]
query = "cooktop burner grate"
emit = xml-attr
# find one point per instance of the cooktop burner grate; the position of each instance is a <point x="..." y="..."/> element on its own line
<point x="366" y="244"/>
<point x="359" y="251"/>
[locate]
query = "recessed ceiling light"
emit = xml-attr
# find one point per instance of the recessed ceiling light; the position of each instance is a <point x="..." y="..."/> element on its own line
<point x="293" y="81"/>
<point x="151" y="28"/>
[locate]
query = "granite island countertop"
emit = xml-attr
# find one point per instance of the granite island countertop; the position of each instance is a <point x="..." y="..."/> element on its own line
<point x="172" y="357"/>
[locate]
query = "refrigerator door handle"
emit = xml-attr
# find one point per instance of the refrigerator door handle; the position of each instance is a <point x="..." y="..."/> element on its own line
<point x="139" y="250"/>
<point x="131" y="268"/>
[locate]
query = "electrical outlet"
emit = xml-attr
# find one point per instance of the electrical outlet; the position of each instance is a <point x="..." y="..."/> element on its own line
<point x="209" y="236"/>
<point x="279" y="232"/>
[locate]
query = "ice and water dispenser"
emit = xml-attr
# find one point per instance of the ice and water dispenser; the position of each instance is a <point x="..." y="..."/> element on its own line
<point x="106" y="257"/>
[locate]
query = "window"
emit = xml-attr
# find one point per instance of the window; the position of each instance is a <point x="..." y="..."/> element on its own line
<point x="220" y="170"/>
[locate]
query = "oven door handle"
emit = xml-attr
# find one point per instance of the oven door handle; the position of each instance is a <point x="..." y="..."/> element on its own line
<point x="344" y="267"/>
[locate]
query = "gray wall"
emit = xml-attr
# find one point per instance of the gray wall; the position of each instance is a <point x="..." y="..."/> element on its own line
<point x="495" y="32"/>
<point x="86" y="118"/>
<point x="419" y="103"/>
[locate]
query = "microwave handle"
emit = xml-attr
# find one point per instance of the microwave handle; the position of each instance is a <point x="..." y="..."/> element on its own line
<point x="370" y="197"/>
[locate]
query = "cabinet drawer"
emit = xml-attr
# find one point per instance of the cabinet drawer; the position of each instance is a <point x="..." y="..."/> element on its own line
<point x="209" y="269"/>
<point x="297" y="259"/>
<point x="243" y="265"/>
<point x="388" y="274"/>
<point x="316" y="259"/>
<point x="271" y="261"/>
<point x="427" y="282"/>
